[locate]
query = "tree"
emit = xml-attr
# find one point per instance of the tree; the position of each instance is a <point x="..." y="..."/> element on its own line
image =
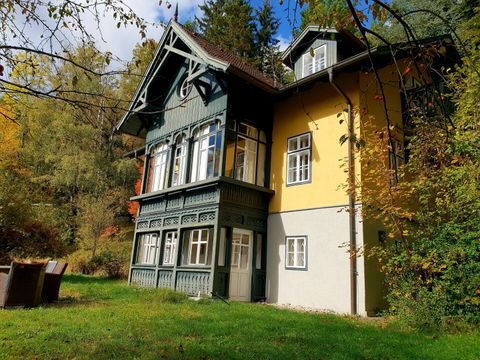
<point x="330" y="14"/>
<point x="426" y="18"/>
<point x="58" y="25"/>
<point x="268" y="51"/>
<point x="229" y="24"/>
<point x="70" y="155"/>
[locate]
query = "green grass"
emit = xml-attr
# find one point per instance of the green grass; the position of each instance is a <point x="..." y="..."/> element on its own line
<point x="104" y="319"/>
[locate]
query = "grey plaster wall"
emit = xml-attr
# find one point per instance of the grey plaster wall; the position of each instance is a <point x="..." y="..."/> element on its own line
<point x="325" y="284"/>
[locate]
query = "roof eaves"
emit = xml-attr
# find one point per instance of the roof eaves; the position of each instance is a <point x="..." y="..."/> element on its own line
<point x="144" y="78"/>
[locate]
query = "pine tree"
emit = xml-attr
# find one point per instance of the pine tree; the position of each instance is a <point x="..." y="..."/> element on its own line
<point x="266" y="44"/>
<point x="228" y="24"/>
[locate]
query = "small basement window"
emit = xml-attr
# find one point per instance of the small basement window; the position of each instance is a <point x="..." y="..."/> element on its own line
<point x="296" y="252"/>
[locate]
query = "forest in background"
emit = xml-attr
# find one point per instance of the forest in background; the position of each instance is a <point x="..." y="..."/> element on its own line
<point x="65" y="181"/>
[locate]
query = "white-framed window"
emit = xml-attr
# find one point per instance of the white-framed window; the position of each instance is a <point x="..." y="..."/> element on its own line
<point x="169" y="248"/>
<point x="206" y="152"/>
<point x="296" y="252"/>
<point x="185" y="88"/>
<point x="246" y="159"/>
<point x="147" y="249"/>
<point x="158" y="167"/>
<point x="298" y="159"/>
<point x="179" y="161"/>
<point x="197" y="247"/>
<point x="246" y="153"/>
<point x="315" y="63"/>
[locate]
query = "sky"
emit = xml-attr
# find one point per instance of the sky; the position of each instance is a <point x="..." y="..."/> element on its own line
<point x="121" y="41"/>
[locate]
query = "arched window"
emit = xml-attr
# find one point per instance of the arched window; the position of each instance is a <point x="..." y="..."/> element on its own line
<point x="158" y="167"/>
<point x="185" y="88"/>
<point x="179" y="161"/>
<point x="206" y="151"/>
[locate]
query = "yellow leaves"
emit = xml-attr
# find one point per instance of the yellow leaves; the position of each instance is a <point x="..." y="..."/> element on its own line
<point x="9" y="142"/>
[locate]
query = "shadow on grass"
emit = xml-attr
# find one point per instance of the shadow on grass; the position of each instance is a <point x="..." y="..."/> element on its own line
<point x="87" y="280"/>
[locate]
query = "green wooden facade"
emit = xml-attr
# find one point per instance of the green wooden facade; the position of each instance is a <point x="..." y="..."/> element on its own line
<point x="217" y="203"/>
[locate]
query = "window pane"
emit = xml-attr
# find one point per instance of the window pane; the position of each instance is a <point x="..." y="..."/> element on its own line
<point x="244" y="258"/>
<point x="202" y="254"/>
<point x="301" y="245"/>
<point x="292" y="144"/>
<point x="304" y="141"/>
<point x="290" y="245"/>
<point x="186" y="247"/>
<point x="307" y="64"/>
<point x="230" y="154"/>
<point x="262" y="155"/>
<point x="178" y="176"/>
<point x="320" y="60"/>
<point x="300" y="260"/>
<point x="290" y="260"/>
<point x="218" y="151"/>
<point x="140" y="249"/>
<point x="221" y="247"/>
<point x="259" y="252"/>
<point x="263" y="136"/>
<point x="193" y="253"/>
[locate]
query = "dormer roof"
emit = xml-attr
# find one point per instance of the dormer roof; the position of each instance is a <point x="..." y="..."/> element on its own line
<point x="312" y="32"/>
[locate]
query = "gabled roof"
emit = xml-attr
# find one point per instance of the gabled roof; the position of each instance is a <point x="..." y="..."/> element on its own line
<point x="313" y="31"/>
<point x="236" y="63"/>
<point x="201" y="52"/>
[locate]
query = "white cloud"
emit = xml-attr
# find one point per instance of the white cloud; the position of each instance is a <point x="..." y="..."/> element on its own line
<point x="119" y="41"/>
<point x="284" y="42"/>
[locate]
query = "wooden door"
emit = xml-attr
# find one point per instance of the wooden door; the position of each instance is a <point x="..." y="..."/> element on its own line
<point x="241" y="265"/>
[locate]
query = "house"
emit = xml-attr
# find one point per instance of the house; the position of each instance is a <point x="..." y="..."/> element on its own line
<point x="240" y="196"/>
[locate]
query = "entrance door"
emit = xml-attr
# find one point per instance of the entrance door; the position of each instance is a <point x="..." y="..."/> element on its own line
<point x="241" y="265"/>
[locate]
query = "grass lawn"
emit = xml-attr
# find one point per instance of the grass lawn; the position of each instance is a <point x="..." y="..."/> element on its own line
<point x="104" y="319"/>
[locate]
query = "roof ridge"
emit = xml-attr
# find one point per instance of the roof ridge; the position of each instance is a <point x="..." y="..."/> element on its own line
<point x="233" y="59"/>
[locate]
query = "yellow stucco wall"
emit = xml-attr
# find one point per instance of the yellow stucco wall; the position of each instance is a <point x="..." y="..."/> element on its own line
<point x="373" y="119"/>
<point x="313" y="110"/>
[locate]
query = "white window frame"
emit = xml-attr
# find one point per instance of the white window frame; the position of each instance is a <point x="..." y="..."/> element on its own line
<point x="147" y="249"/>
<point x="246" y="170"/>
<point x="159" y="168"/>
<point x="180" y="161"/>
<point x="197" y="240"/>
<point x="296" y="252"/>
<point x="171" y="240"/>
<point x="314" y="63"/>
<point x="205" y="148"/>
<point x="301" y="155"/>
<point x="249" y="159"/>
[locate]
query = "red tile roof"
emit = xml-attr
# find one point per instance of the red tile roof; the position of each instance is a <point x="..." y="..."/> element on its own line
<point x="233" y="60"/>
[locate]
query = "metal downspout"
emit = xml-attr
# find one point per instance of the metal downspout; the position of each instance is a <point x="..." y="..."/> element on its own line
<point x="351" y="197"/>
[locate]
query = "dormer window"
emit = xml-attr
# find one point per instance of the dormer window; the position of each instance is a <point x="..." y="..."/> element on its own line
<point x="315" y="63"/>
